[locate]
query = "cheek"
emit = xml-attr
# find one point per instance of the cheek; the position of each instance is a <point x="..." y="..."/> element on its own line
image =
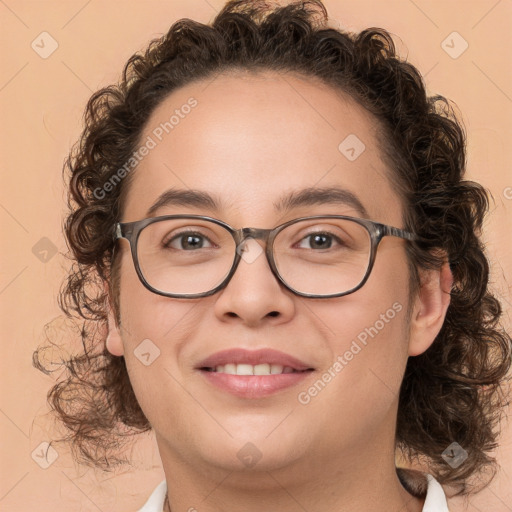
<point x="148" y="324"/>
<point x="368" y="353"/>
<point x="145" y="314"/>
<point x="153" y="338"/>
<point x="377" y="310"/>
<point x="368" y="337"/>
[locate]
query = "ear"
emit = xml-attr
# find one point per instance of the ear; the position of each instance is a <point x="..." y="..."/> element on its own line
<point x="430" y="308"/>
<point x="113" y="343"/>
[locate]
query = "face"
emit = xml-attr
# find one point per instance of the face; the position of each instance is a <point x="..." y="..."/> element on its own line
<point x="249" y="140"/>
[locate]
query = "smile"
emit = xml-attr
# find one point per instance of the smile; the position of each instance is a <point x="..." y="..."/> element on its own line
<point x="249" y="369"/>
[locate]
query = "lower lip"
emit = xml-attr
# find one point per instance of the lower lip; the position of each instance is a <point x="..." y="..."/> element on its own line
<point x="254" y="386"/>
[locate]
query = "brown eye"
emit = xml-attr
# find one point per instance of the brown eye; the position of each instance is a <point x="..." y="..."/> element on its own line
<point x="187" y="240"/>
<point x="319" y="241"/>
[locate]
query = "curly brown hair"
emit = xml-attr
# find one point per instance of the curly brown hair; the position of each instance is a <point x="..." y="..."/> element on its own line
<point x="451" y="392"/>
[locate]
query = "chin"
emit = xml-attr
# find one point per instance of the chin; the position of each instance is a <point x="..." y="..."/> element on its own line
<point x="249" y="451"/>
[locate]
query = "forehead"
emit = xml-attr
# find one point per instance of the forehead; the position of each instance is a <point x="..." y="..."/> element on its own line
<point x="248" y="138"/>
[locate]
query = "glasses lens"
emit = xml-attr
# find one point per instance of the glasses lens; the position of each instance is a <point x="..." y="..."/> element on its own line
<point x="323" y="256"/>
<point x="185" y="256"/>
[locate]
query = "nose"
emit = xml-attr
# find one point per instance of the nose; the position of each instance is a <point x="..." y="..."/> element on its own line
<point x="254" y="295"/>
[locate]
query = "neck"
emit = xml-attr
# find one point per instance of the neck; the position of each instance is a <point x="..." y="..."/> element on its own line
<point x="365" y="484"/>
<point x="413" y="481"/>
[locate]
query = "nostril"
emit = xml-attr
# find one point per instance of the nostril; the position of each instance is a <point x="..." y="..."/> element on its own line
<point x="274" y="313"/>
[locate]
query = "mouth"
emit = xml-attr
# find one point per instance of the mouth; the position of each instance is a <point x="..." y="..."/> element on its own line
<point x="249" y="369"/>
<point x="255" y="373"/>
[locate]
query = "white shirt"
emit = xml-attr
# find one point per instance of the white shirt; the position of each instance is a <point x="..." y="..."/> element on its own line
<point x="434" y="502"/>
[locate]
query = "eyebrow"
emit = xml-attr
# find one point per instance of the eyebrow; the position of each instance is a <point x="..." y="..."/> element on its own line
<point x="312" y="196"/>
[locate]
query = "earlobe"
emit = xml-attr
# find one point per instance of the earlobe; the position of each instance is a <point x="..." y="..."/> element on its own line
<point x="430" y="309"/>
<point x="113" y="343"/>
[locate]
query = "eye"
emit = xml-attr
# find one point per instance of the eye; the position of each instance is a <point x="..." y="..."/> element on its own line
<point x="187" y="240"/>
<point x="319" y="240"/>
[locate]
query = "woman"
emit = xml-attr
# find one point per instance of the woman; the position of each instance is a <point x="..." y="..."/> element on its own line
<point x="281" y="367"/>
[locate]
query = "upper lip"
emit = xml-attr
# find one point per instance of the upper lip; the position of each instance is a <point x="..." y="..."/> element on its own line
<point x="253" y="357"/>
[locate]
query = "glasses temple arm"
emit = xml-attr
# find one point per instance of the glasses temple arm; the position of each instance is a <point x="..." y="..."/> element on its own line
<point x="401" y="233"/>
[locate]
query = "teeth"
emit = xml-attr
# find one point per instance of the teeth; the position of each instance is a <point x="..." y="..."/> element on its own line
<point x="244" y="369"/>
<point x="249" y="369"/>
<point x="261" y="369"/>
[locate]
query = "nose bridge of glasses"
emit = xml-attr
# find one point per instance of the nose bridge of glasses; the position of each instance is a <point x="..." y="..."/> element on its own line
<point x="245" y="233"/>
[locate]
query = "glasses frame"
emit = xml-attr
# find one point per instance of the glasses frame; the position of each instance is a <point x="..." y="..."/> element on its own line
<point x="377" y="231"/>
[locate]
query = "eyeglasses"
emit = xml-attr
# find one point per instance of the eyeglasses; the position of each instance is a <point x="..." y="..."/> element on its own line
<point x="191" y="256"/>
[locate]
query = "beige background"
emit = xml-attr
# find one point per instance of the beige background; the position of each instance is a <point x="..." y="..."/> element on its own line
<point x="41" y="103"/>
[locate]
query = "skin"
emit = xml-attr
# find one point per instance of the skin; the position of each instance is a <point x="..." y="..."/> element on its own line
<point x="251" y="138"/>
